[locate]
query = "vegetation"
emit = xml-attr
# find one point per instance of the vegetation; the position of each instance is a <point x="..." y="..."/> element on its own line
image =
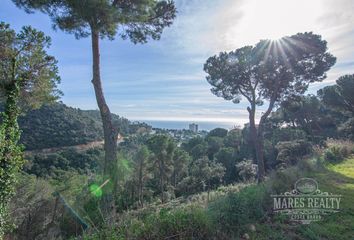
<point x="28" y="73"/>
<point x="11" y="159"/>
<point x="57" y="125"/>
<point x="247" y="213"/>
<point x="138" y="21"/>
<point x="339" y="96"/>
<point x="53" y="164"/>
<point x="63" y="176"/>
<point x="270" y="71"/>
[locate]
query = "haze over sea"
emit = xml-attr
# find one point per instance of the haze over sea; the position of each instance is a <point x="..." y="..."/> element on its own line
<point x="185" y="124"/>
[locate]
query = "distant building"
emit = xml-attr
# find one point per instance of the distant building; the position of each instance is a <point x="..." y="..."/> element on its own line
<point x="193" y="127"/>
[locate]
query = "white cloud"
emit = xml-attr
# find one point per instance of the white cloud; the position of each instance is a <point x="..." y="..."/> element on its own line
<point x="205" y="27"/>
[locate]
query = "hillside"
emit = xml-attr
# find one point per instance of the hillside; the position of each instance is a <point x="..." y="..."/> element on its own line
<point x="58" y="125"/>
<point x="335" y="179"/>
<point x="247" y="214"/>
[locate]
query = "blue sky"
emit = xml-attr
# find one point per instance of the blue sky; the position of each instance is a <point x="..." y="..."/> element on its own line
<point x="164" y="80"/>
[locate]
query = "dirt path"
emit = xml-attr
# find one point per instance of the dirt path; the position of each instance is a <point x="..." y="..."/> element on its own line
<point x="79" y="148"/>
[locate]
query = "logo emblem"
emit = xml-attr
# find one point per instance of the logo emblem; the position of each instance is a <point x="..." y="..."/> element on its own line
<point x="306" y="185"/>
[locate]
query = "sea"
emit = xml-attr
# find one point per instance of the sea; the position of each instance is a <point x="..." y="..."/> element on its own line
<point x="207" y="126"/>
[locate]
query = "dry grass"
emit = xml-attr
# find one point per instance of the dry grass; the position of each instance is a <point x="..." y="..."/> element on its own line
<point x="330" y="142"/>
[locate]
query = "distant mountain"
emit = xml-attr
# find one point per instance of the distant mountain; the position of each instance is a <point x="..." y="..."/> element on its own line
<point x="57" y="125"/>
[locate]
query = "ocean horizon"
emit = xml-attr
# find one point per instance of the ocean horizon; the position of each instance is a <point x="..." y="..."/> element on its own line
<point x="179" y="125"/>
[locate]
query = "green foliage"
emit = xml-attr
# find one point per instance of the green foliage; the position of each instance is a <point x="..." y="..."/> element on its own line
<point x="246" y="170"/>
<point x="137" y="21"/>
<point x="24" y="60"/>
<point x="227" y="157"/>
<point x="309" y="115"/>
<point x="141" y="173"/>
<point x="290" y="152"/>
<point x="182" y="223"/>
<point x="269" y="71"/>
<point x="336" y="179"/>
<point x="214" y="145"/>
<point x="199" y="150"/>
<point x="181" y="160"/>
<point x="218" y="132"/>
<point x="333" y="155"/>
<point x="27" y="74"/>
<point x="232" y="212"/>
<point x="187" y="223"/>
<point x="346" y="129"/>
<point x="39" y="212"/>
<point x="162" y="147"/>
<point x="11" y="161"/>
<point x="32" y="207"/>
<point x="336" y="153"/>
<point x="234" y="139"/>
<point x="238" y="73"/>
<point x="346" y="168"/>
<point x="340" y="96"/>
<point x="204" y="174"/>
<point x="44" y="165"/>
<point x="191" y="143"/>
<point x="287" y="134"/>
<point x="57" y="125"/>
<point x="337" y="150"/>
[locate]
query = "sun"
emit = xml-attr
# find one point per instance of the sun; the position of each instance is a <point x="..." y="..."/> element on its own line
<point x="273" y="19"/>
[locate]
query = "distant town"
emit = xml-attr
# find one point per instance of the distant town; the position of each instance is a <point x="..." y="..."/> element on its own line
<point x="181" y="135"/>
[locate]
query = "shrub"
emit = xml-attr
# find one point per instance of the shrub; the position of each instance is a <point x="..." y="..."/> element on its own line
<point x="289" y="153"/>
<point x="236" y="210"/>
<point x="337" y="150"/>
<point x="44" y="165"/>
<point x="218" y="132"/>
<point x="246" y="170"/>
<point x="347" y="129"/>
<point x="183" y="223"/>
<point x="287" y="134"/>
<point x="335" y="154"/>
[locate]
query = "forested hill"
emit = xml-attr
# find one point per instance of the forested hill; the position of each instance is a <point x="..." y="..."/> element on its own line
<point x="58" y="125"/>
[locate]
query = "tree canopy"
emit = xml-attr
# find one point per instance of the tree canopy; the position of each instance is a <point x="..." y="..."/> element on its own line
<point x="137" y="20"/>
<point x="270" y="71"/>
<point x="27" y="73"/>
<point x="340" y="96"/>
<point x="24" y="60"/>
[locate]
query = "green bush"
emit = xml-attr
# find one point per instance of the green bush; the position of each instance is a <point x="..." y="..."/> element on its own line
<point x="336" y="154"/>
<point x="184" y="223"/>
<point x="246" y="170"/>
<point x="232" y="213"/>
<point x="44" y="165"/>
<point x="190" y="223"/>
<point x="289" y="153"/>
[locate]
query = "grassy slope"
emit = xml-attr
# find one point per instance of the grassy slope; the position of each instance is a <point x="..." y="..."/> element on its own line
<point x="336" y="179"/>
<point x="194" y="220"/>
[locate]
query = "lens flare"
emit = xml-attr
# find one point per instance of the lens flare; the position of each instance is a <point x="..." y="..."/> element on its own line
<point x="96" y="190"/>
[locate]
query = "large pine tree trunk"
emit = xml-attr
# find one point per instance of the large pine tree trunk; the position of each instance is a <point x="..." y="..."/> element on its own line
<point x="141" y="201"/>
<point x="161" y="183"/>
<point x="260" y="158"/>
<point x="258" y="145"/>
<point x="109" y="132"/>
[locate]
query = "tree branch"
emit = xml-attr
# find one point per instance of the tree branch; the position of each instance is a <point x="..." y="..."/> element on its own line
<point x="266" y="114"/>
<point x="247" y="97"/>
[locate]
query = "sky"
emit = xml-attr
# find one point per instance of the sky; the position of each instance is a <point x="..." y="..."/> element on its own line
<point x="164" y="80"/>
